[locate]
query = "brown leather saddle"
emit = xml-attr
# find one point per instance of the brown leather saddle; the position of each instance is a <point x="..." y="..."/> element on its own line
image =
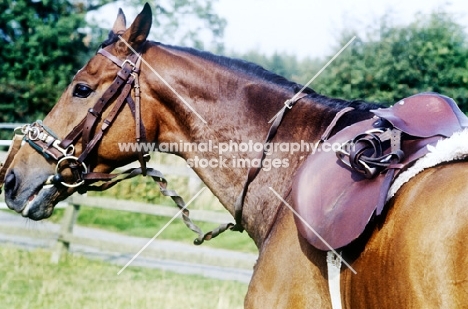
<point x="338" y="193"/>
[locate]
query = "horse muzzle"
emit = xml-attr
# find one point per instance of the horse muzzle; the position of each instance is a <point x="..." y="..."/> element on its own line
<point x="31" y="198"/>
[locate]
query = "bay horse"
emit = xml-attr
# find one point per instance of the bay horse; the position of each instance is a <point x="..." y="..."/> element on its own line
<point x="413" y="256"/>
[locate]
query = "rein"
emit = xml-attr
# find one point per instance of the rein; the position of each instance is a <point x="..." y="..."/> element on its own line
<point x="46" y="142"/>
<point x="254" y="170"/>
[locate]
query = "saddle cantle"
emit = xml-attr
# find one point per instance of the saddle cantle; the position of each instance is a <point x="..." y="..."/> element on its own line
<point x="425" y="115"/>
<point x="338" y="194"/>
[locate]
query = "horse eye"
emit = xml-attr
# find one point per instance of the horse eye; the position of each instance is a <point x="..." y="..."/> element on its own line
<point x="82" y="91"/>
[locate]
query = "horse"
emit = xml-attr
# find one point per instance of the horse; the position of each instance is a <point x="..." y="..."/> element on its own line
<point x="412" y="256"/>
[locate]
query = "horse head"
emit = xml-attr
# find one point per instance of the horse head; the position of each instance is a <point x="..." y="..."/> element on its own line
<point x="92" y="116"/>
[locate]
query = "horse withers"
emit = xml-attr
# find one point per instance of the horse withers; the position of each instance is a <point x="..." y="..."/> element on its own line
<point x="413" y="256"/>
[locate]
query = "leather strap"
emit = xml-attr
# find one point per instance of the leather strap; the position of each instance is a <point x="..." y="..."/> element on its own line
<point x="90" y="145"/>
<point x="95" y="112"/>
<point x="113" y="179"/>
<point x="253" y="171"/>
<point x="332" y="124"/>
<point x="45" y="142"/>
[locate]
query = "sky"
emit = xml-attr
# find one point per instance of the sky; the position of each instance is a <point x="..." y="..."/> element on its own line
<point x="308" y="28"/>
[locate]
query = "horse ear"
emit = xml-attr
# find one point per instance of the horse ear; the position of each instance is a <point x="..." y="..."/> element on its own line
<point x="138" y="31"/>
<point x="120" y="23"/>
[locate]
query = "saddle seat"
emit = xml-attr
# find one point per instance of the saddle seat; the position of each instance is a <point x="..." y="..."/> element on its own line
<point x="336" y="198"/>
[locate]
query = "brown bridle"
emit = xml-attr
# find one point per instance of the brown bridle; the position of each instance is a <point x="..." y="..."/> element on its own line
<point x="45" y="141"/>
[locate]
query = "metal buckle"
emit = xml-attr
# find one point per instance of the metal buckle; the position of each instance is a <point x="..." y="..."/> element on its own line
<point x="343" y="155"/>
<point x="69" y="151"/>
<point x="369" y="172"/>
<point x="32" y="131"/>
<point x="289" y="103"/>
<point x="67" y="158"/>
<point x="129" y="62"/>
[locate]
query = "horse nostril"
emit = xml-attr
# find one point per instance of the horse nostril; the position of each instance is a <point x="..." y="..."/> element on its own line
<point x="11" y="185"/>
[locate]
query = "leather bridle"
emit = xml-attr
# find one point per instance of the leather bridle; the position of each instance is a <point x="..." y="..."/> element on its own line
<point x="45" y="141"/>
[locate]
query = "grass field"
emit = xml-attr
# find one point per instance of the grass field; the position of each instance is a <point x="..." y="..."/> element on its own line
<point x="28" y="280"/>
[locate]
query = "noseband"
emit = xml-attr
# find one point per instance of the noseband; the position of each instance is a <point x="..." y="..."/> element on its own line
<point x="46" y="142"/>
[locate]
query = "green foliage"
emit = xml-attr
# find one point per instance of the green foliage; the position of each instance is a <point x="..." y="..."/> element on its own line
<point x="194" y="17"/>
<point x="387" y="63"/>
<point x="430" y="54"/>
<point x="41" y="43"/>
<point x="45" y="42"/>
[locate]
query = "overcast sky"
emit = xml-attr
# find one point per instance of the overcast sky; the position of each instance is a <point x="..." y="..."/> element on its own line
<point x="309" y="28"/>
<point x="306" y="28"/>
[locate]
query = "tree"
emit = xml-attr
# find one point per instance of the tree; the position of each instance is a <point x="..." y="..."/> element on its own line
<point x="44" y="43"/>
<point x="186" y="21"/>
<point x="40" y="44"/>
<point x="430" y="54"/>
<point x="178" y="22"/>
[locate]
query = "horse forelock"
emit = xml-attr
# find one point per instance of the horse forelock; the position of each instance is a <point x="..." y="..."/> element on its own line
<point x="111" y="39"/>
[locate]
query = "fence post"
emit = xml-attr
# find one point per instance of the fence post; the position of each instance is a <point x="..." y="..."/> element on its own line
<point x="66" y="227"/>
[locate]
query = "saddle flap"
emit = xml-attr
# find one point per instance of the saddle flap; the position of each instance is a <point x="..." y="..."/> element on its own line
<point x="425" y="115"/>
<point x="335" y="202"/>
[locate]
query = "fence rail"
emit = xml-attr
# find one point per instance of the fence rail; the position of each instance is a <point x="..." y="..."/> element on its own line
<point x="65" y="236"/>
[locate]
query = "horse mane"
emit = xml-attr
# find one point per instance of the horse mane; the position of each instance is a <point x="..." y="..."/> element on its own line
<point x="258" y="71"/>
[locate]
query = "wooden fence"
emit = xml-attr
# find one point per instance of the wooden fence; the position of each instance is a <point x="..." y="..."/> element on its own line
<point x="66" y="236"/>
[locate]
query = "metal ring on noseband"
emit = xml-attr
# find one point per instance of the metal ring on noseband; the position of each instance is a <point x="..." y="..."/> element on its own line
<point x="57" y="172"/>
<point x="33" y="132"/>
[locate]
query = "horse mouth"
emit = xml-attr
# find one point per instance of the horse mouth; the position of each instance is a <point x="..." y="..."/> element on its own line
<point x="40" y="205"/>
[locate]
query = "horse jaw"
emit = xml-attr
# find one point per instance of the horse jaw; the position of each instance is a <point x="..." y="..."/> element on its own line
<point x="36" y="200"/>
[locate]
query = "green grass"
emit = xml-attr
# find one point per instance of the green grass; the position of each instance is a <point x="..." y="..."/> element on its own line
<point x="28" y="280"/>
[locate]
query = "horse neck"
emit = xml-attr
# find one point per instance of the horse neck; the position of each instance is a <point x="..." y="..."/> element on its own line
<point x="237" y="108"/>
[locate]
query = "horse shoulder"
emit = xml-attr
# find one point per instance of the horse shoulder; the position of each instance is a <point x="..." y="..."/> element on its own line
<point x="289" y="273"/>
